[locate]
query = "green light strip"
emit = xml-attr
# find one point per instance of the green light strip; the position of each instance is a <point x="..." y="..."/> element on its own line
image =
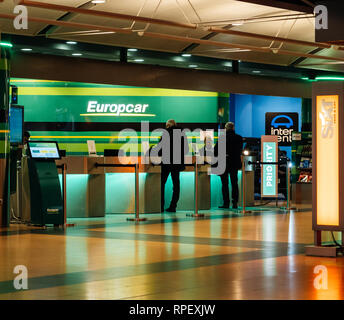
<point x="331" y="78"/>
<point x="6" y="44"/>
<point x="324" y="78"/>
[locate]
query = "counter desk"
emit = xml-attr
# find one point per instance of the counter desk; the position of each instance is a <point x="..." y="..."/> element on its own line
<point x="94" y="191"/>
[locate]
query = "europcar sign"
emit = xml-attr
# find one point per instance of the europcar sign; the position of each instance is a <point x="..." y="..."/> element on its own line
<point x="282" y="125"/>
<point x="118" y="110"/>
<point x="269" y="173"/>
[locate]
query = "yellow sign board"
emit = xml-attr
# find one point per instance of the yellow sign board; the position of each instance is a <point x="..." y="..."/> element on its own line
<point x="327" y="160"/>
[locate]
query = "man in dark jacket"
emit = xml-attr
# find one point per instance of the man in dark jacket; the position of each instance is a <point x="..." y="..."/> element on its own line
<point x="173" y="161"/>
<point x="234" y="146"/>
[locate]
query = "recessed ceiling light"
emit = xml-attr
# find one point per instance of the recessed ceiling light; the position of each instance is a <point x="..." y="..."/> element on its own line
<point x="71" y="42"/>
<point x="256" y="71"/>
<point x="26" y="49"/>
<point x="193" y="65"/>
<point x="186" y="55"/>
<point x="139" y="60"/>
<point x="238" y="23"/>
<point x="98" y="1"/>
<point x="132" y="50"/>
<point x="76" y="54"/>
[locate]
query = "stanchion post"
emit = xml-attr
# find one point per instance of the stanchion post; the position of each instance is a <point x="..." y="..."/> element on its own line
<point x="288" y="207"/>
<point x="64" y="179"/>
<point x="64" y="192"/>
<point x="137" y="196"/>
<point x="243" y="186"/>
<point x="196" y="214"/>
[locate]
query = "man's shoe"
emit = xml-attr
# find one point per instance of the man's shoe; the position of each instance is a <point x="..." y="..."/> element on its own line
<point x="171" y="210"/>
<point x="225" y="206"/>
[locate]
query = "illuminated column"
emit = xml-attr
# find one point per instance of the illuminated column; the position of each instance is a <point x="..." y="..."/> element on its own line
<point x="4" y="135"/>
<point x="328" y="157"/>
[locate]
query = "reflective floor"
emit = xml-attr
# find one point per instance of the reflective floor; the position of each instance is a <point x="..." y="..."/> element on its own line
<point x="223" y="256"/>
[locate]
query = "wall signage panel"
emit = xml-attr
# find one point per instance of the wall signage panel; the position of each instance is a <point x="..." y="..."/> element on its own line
<point x="282" y="125"/>
<point x="53" y="101"/>
<point x="327" y="159"/>
<point x="269" y="173"/>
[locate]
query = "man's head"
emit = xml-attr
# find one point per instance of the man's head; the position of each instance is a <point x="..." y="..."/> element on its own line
<point x="170" y="123"/>
<point x="26" y="137"/>
<point x="230" y="126"/>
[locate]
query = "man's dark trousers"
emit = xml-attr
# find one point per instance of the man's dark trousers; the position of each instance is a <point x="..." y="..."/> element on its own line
<point x="233" y="173"/>
<point x="166" y="170"/>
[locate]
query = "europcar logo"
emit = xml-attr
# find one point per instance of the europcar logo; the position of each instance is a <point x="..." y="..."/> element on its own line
<point x="94" y="108"/>
<point x="282" y="125"/>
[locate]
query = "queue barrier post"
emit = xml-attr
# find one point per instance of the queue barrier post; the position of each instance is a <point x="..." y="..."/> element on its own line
<point x="137" y="187"/>
<point x="63" y="168"/>
<point x="196" y="214"/>
<point x="288" y="207"/>
<point x="243" y="188"/>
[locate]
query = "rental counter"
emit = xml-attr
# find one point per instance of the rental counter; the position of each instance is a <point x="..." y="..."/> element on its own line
<point x="93" y="191"/>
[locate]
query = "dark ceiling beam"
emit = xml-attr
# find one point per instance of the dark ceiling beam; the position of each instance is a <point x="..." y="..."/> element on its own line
<point x="302" y="59"/>
<point x="50" y="29"/>
<point x="281" y="5"/>
<point x="193" y="46"/>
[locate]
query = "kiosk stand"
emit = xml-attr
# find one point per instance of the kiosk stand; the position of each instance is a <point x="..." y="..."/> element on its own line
<point x="46" y="201"/>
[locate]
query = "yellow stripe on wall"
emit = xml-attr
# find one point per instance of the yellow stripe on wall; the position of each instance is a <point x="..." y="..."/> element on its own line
<point x="103" y="137"/>
<point x="4" y="64"/>
<point x="148" y="92"/>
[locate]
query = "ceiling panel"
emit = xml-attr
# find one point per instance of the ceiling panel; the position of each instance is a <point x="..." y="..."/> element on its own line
<point x="202" y="12"/>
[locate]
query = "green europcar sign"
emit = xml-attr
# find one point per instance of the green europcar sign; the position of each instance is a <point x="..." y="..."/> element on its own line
<point x="53" y="101"/>
<point x="269" y="173"/>
<point x="55" y="110"/>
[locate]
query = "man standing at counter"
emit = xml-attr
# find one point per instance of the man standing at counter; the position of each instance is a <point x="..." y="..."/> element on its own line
<point x="174" y="149"/>
<point x="234" y="146"/>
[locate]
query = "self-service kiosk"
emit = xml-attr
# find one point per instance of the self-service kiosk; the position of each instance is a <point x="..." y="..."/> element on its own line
<point x="46" y="201"/>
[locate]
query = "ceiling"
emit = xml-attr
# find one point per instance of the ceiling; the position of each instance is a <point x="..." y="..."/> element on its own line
<point x="291" y="19"/>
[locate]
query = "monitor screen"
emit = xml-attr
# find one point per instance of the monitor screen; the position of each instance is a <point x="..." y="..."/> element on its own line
<point x="16" y="124"/>
<point x="44" y="150"/>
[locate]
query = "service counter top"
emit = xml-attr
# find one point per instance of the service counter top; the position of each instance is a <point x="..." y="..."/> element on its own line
<point x="93" y="190"/>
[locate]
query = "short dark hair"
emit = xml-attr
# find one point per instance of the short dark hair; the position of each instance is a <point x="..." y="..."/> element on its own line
<point x="27" y="134"/>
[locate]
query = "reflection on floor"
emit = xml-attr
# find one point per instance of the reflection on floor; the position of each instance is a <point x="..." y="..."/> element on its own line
<point x="223" y="256"/>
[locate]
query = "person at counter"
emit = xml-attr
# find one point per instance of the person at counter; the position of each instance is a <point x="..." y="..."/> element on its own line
<point x="173" y="161"/>
<point x="234" y="146"/>
<point x="26" y="139"/>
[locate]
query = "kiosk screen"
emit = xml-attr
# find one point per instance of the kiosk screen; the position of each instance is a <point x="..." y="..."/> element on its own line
<point x="16" y="124"/>
<point x="44" y="150"/>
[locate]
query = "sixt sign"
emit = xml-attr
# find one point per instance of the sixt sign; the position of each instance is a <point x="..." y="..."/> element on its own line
<point x="282" y="125"/>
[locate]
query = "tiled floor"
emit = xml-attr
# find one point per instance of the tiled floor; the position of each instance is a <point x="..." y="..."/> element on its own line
<point x="224" y="256"/>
